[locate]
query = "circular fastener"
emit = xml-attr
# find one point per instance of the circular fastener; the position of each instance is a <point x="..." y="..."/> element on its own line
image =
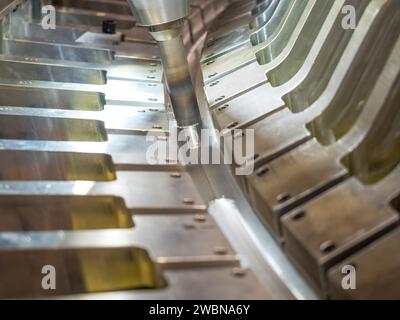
<point x="213" y="74"/>
<point x="238" y="272"/>
<point x="175" y="175"/>
<point x="210" y="62"/>
<point x="221" y="250"/>
<point x="188" y="201"/>
<point x="200" y="218"/>
<point x="327" y="246"/>
<point x="283" y="197"/>
<point x="262" y="172"/>
<point x="157" y="126"/>
<point x="153" y="110"/>
<point x="299" y="215"/>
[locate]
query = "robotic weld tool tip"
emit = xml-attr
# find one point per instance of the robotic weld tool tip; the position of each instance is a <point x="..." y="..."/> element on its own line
<point x="164" y="20"/>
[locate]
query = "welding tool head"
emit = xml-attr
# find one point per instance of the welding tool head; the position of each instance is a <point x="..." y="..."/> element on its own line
<point x="158" y="12"/>
<point x="164" y="19"/>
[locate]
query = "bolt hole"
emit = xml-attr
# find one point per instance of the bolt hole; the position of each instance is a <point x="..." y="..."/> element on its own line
<point x="214" y="83"/>
<point x="262" y="172"/>
<point x="327" y="246"/>
<point x="283" y="197"/>
<point x="232" y="125"/>
<point x="224" y="107"/>
<point x="299" y="215"/>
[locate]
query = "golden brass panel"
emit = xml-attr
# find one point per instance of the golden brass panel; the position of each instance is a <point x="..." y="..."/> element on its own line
<point x="77" y="271"/>
<point x="37" y="165"/>
<point x="51" y="129"/>
<point x="46" y="212"/>
<point x="14" y="96"/>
